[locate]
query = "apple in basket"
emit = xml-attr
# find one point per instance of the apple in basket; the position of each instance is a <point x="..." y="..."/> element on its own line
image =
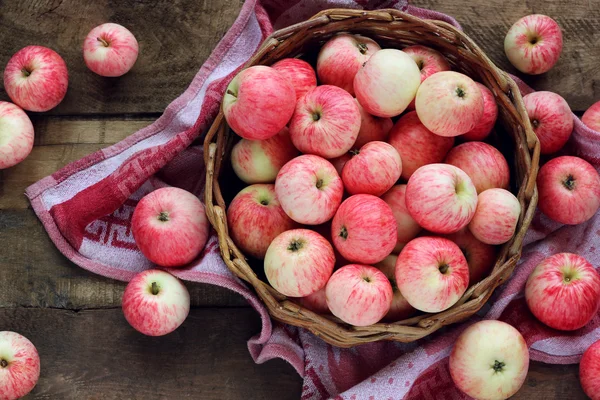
<point x="407" y="227"/>
<point x="341" y="57"/>
<point x="533" y="44"/>
<point x="480" y="256"/>
<point x="315" y="302"/>
<point x="489" y="360"/>
<point x="484" y="164"/>
<point x="429" y="62"/>
<point x="373" y="169"/>
<point x="550" y="118"/>
<point x="416" y="144"/>
<point x="299" y="262"/>
<point x="170" y="227"/>
<point x="441" y="198"/>
<point x="449" y="103"/>
<point x="155" y="302"/>
<point x="589" y="371"/>
<point x="387" y="83"/>
<point x="19" y="365"/>
<point x="488" y="120"/>
<point x="432" y="273"/>
<point x="496" y="217"/>
<point x="359" y="295"/>
<point x="255" y="218"/>
<point x="263" y="89"/>
<point x="400" y="308"/>
<point x="36" y="78"/>
<point x="16" y="135"/>
<point x="569" y="190"/>
<point x="299" y="73"/>
<point x="591" y="117"/>
<point x="563" y="291"/>
<point x="110" y="50"/>
<point x="372" y="128"/>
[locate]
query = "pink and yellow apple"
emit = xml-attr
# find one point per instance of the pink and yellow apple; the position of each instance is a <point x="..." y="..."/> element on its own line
<point x="359" y="295"/>
<point x="496" y="217"/>
<point x="259" y="102"/>
<point x="591" y="117"/>
<point x="301" y="75"/>
<point x="373" y="169"/>
<point x="563" y="292"/>
<point x="326" y="122"/>
<point x="432" y="273"/>
<point x="387" y="83"/>
<point x="341" y="57"/>
<point x="400" y="308"/>
<point x="416" y="144"/>
<point x="299" y="262"/>
<point x="110" y="50"/>
<point x="259" y="161"/>
<point x="488" y="120"/>
<point x="19" y="366"/>
<point x="16" y="135"/>
<point x="170" y="227"/>
<point x="428" y="60"/>
<point x="255" y="218"/>
<point x="36" y="78"/>
<point x="449" y="103"/>
<point x="489" y="360"/>
<point x="480" y="256"/>
<point x="407" y="227"/>
<point x="589" y="371"/>
<point x="484" y="164"/>
<point x="550" y="118"/>
<point x="569" y="190"/>
<point x="309" y="189"/>
<point x="441" y="198"/>
<point x="364" y="229"/>
<point x="372" y="128"/>
<point x="533" y="44"/>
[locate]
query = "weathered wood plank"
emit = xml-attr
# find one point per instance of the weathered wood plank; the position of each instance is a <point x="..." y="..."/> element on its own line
<point x="175" y="39"/>
<point x="97" y="355"/>
<point x="576" y="76"/>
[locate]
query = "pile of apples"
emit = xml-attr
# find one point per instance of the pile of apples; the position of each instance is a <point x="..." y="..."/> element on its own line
<point x="372" y="195"/>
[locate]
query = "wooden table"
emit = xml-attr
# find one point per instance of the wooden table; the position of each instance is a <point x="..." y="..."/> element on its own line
<point x="74" y="317"/>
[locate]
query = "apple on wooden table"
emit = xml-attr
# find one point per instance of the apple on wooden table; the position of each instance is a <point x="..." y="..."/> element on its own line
<point x="16" y="135"/>
<point x="110" y="50"/>
<point x="19" y="365"/>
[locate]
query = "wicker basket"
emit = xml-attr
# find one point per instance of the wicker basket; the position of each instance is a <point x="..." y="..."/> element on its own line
<point x="391" y="28"/>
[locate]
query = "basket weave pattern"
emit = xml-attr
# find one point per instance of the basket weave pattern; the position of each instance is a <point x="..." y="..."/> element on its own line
<point x="391" y="28"/>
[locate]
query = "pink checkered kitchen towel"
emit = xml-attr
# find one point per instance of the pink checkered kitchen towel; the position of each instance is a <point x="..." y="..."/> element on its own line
<point x="86" y="208"/>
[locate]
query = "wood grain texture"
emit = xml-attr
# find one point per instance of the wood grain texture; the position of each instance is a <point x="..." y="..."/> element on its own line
<point x="576" y="76"/>
<point x="175" y="39"/>
<point x="97" y="355"/>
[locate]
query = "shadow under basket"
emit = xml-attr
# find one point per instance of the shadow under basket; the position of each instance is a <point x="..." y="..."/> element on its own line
<point x="514" y="136"/>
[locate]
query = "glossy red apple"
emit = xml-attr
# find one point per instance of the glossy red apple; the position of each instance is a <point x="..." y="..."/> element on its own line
<point x="301" y="75"/>
<point x="16" y="135"/>
<point x="110" y="50"/>
<point x="373" y="169"/>
<point x="550" y="118"/>
<point x="19" y="366"/>
<point x="490" y="114"/>
<point x="591" y="117"/>
<point x="589" y="371"/>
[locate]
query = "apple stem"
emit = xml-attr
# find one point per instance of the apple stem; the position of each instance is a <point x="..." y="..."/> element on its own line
<point x="104" y="42"/>
<point x="367" y="279"/>
<point x="498" y="366"/>
<point x="295" y="245"/>
<point x="316" y="116"/>
<point x="569" y="183"/>
<point x="362" y="48"/>
<point x="344" y="233"/>
<point x="154" y="290"/>
<point x="229" y="92"/>
<point x="25" y="72"/>
<point x="319" y="183"/>
<point x="163" y="216"/>
<point x="420" y="64"/>
<point x="460" y="92"/>
<point x="444" y="268"/>
<point x="3" y="363"/>
<point x="354" y="152"/>
<point x="264" y="202"/>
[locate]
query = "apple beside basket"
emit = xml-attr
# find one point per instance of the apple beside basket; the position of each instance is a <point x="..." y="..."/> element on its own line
<point x="514" y="137"/>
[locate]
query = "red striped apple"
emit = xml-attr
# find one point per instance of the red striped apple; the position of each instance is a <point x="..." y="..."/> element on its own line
<point x="416" y="144"/>
<point x="387" y="83"/>
<point x="309" y="189"/>
<point x="16" y="135"/>
<point x="589" y="371"/>
<point x="315" y="302"/>
<point x="407" y="227"/>
<point x="488" y="120"/>
<point x="489" y="360"/>
<point x="484" y="164"/>
<point x="326" y="122"/>
<point x="569" y="190"/>
<point x="341" y="57"/>
<point x="533" y="44"/>
<point x="428" y="60"/>
<point x="36" y="78"/>
<point x="432" y="273"/>
<point x="110" y="50"/>
<point x="480" y="257"/>
<point x="400" y="308"/>
<point x="550" y="118"/>
<point x="496" y="217"/>
<point x="299" y="262"/>
<point x="364" y="229"/>
<point x="373" y="169"/>
<point x="591" y="117"/>
<point x="441" y="198"/>
<point x="300" y="74"/>
<point x="372" y="128"/>
<point x="155" y="302"/>
<point x="255" y="218"/>
<point x="259" y="161"/>
<point x="449" y="103"/>
<point x="359" y="295"/>
<point x="170" y="227"/>
<point x="563" y="292"/>
<point x="340" y="162"/>
<point x="259" y="102"/>
<point x="19" y="366"/>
